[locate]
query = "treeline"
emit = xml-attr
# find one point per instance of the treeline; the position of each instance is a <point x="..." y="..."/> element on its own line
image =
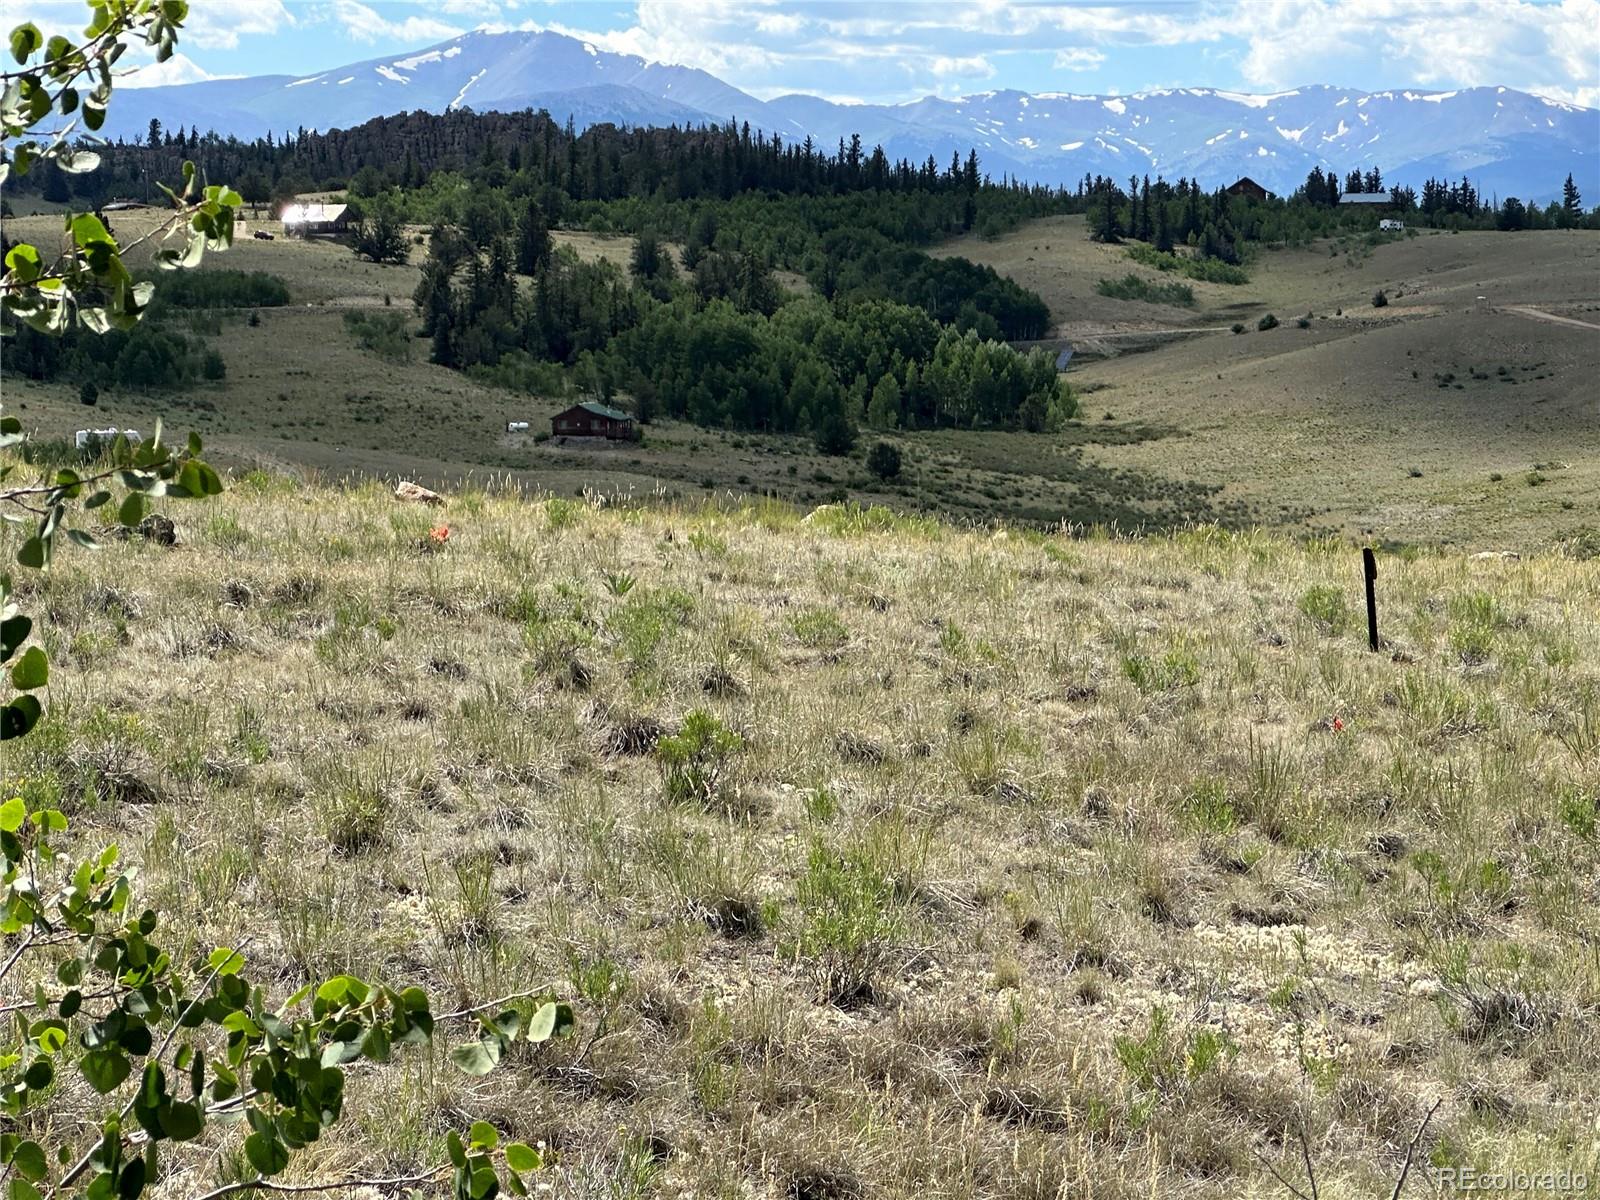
<point x="1450" y="203"/>
<point x="721" y="344"/>
<point x="145" y="357"/>
<point x="524" y="151"/>
<point x="154" y="353"/>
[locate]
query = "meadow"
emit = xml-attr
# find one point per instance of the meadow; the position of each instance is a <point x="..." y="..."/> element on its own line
<point x="1433" y="420"/>
<point x="879" y="857"/>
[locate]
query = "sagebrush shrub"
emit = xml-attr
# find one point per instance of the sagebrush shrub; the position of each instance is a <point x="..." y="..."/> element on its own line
<point x="695" y="762"/>
<point x="1326" y="606"/>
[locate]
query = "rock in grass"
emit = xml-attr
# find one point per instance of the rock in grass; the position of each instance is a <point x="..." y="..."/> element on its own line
<point x="416" y="493"/>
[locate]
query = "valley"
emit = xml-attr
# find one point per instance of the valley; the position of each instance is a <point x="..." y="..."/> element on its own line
<point x="668" y="662"/>
<point x="1316" y="429"/>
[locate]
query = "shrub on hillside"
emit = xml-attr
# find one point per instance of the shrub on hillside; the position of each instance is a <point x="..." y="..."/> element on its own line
<point x="1267" y="322"/>
<point x="696" y="760"/>
<point x="1379" y="299"/>
<point x="219" y="289"/>
<point x="1206" y="270"/>
<point x="883" y="460"/>
<point x="1237" y="327"/>
<point x="384" y="334"/>
<point x="1132" y="287"/>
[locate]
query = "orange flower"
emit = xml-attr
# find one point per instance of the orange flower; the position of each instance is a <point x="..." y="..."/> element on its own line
<point x="439" y="534"/>
<point x="1338" y="724"/>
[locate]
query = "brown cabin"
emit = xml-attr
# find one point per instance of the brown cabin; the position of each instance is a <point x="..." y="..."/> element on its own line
<point x="1247" y="187"/>
<point x="593" y="420"/>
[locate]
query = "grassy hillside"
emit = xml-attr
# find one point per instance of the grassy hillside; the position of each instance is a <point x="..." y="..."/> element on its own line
<point x="1426" y="421"/>
<point x="1034" y="867"/>
<point x="1435" y="418"/>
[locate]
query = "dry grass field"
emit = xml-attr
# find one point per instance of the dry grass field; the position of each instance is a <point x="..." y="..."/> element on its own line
<point x="1429" y="421"/>
<point x="880" y="858"/>
<point x="1434" y="419"/>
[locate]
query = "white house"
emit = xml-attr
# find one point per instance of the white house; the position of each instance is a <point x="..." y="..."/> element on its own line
<point x="104" y="436"/>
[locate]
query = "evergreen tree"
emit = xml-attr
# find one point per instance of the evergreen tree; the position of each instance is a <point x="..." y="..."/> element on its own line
<point x="1571" y="203"/>
<point x="534" y="246"/>
<point x="1107" y="218"/>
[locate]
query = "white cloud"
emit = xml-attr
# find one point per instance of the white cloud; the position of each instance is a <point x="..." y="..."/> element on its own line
<point x="974" y="65"/>
<point x="367" y="25"/>
<point x="180" y="68"/>
<point x="219" y="24"/>
<point x="1078" y="58"/>
<point x="1548" y="48"/>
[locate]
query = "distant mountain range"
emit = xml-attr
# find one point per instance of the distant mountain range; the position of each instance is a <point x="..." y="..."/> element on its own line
<point x="1508" y="142"/>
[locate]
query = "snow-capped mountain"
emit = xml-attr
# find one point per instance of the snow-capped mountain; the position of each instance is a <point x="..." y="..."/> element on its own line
<point x="1509" y="142"/>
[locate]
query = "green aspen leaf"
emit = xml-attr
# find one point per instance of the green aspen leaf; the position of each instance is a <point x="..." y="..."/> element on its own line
<point x="78" y="162"/>
<point x="13" y="632"/>
<point x="552" y="1020"/>
<point x="376" y="1044"/>
<point x="522" y="1158"/>
<point x="88" y="230"/>
<point x="225" y="961"/>
<point x="32" y="670"/>
<point x="18" y="717"/>
<point x="21" y="1189"/>
<point x="181" y="1121"/>
<point x="476" y="1058"/>
<point x="458" y="1153"/>
<point x="485" y="1183"/>
<point x="132" y="510"/>
<point x="25" y="39"/>
<point x="484" y="1135"/>
<point x="12" y="813"/>
<point x="266" y="1154"/>
<point x="23" y="261"/>
<point x="35" y="553"/>
<point x="30" y="1162"/>
<point x="82" y="539"/>
<point x="104" y="1069"/>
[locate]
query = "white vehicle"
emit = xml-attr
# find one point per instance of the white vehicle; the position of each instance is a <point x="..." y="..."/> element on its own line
<point x="1390" y="225"/>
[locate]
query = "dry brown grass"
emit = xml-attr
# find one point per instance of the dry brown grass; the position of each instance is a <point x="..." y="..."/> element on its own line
<point x="1025" y="791"/>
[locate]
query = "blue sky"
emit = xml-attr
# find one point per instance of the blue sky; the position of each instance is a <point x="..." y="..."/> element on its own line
<point x="892" y="50"/>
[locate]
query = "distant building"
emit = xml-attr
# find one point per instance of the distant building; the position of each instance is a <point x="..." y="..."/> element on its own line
<point x="593" y="420"/>
<point x="1377" y="199"/>
<point x="1248" y="188"/>
<point x="316" y="220"/>
<point x="1390" y="225"/>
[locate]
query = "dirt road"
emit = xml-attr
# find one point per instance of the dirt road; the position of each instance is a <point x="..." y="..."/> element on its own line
<point x="1538" y="314"/>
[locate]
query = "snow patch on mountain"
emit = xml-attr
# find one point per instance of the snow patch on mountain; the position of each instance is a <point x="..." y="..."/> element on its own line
<point x="461" y="95"/>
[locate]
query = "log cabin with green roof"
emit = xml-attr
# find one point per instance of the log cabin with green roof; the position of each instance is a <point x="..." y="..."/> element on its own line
<point x="589" y="419"/>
